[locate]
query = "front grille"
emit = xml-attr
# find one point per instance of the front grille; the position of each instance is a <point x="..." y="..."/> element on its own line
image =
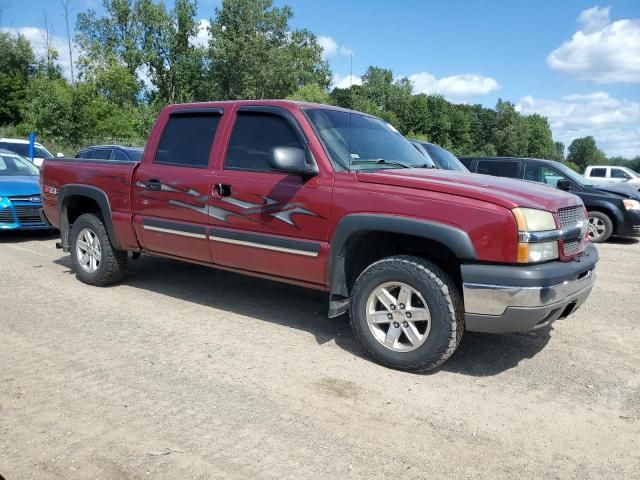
<point x="31" y="198"/>
<point x="28" y="214"/>
<point x="6" y="216"/>
<point x="570" y="217"/>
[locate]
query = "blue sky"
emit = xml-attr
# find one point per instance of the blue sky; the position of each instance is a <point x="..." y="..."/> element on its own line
<point x="577" y="62"/>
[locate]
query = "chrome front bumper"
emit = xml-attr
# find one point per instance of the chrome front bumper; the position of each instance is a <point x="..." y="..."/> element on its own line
<point x="519" y="305"/>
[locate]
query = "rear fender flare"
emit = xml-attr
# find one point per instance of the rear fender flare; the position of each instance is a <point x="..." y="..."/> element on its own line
<point x="95" y="194"/>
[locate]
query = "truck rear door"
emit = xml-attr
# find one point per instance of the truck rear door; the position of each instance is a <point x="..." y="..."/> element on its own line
<point x="171" y="191"/>
<point x="265" y="221"/>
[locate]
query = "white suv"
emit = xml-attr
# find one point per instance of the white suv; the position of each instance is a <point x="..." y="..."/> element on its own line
<point x="605" y="175"/>
<point x="21" y="147"/>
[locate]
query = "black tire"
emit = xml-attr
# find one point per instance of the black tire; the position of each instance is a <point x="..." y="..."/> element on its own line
<point x="440" y="295"/>
<point x="602" y="219"/>
<point x="112" y="262"/>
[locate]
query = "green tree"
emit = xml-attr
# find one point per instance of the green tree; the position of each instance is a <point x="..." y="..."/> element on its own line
<point x="311" y="92"/>
<point x="584" y="151"/>
<point x="559" y="151"/>
<point x="540" y="144"/>
<point x="254" y="53"/>
<point x="49" y="109"/>
<point x="16" y="67"/>
<point x="506" y="129"/>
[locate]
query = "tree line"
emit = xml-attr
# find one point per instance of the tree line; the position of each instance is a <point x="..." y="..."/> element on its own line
<point x="140" y="56"/>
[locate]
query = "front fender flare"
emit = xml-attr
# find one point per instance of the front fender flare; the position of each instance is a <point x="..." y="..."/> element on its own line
<point x="456" y="239"/>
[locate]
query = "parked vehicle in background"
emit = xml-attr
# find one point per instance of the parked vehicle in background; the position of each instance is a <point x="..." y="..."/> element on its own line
<point x="111" y="152"/>
<point x="607" y="175"/>
<point x="441" y="157"/>
<point x="20" y="200"/>
<point x="21" y="147"/>
<point x="337" y="201"/>
<point x="610" y="212"/>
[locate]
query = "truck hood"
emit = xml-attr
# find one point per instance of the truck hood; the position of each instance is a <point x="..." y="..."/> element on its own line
<point x="19" y="185"/>
<point x="505" y="192"/>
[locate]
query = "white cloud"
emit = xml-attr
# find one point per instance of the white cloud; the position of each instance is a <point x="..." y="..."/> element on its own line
<point x="202" y="37"/>
<point x="340" y="81"/>
<point x="613" y="122"/>
<point x="601" y="51"/>
<point x="330" y="47"/>
<point x="455" y="87"/>
<point x="36" y="37"/>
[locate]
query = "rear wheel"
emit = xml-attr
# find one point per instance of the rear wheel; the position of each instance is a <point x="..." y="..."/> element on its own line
<point x="600" y="227"/>
<point x="407" y="313"/>
<point x="94" y="259"/>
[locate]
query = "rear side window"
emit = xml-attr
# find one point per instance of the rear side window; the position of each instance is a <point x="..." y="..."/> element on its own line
<point x="467" y="162"/>
<point x="254" y="136"/>
<point x="118" y="155"/>
<point x="100" y="154"/>
<point x="499" y="168"/>
<point x="598" y="172"/>
<point x="187" y="139"/>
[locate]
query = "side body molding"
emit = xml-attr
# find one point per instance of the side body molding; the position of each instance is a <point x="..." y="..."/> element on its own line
<point x="455" y="239"/>
<point x="95" y="194"/>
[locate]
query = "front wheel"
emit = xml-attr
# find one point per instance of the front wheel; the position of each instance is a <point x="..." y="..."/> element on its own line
<point x="94" y="259"/>
<point x="600" y="227"/>
<point x="407" y="313"/>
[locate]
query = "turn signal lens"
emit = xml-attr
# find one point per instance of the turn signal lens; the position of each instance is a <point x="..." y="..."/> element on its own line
<point x="537" y="252"/>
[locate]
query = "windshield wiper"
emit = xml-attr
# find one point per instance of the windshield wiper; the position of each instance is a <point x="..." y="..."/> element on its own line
<point x="379" y="161"/>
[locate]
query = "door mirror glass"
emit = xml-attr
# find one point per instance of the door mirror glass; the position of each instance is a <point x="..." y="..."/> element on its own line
<point x="564" y="184"/>
<point x="291" y="160"/>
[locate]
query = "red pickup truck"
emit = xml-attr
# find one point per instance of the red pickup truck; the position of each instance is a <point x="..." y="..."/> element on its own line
<point x="338" y="201"/>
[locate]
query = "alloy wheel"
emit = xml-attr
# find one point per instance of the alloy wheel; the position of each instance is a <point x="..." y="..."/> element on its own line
<point x="398" y="316"/>
<point x="88" y="250"/>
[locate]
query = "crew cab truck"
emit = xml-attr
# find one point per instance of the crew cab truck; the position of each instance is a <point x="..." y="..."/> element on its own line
<point x="333" y="200"/>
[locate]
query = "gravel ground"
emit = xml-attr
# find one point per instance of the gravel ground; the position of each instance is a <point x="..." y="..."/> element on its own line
<point x="187" y="372"/>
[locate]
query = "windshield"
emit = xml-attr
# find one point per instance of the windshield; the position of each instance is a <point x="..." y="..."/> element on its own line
<point x="444" y="158"/>
<point x="14" y="166"/>
<point x="576" y="177"/>
<point x="22" y="149"/>
<point x="358" y="142"/>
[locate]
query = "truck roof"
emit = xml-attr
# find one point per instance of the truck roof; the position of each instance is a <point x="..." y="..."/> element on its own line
<point x="288" y="104"/>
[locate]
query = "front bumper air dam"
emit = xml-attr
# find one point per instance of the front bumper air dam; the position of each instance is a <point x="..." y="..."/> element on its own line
<point x="501" y="299"/>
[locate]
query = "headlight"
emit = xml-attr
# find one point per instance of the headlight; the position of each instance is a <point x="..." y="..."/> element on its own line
<point x="530" y="220"/>
<point x="631" y="204"/>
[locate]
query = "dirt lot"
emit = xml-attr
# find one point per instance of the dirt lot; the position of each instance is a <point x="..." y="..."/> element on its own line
<point x="186" y="372"/>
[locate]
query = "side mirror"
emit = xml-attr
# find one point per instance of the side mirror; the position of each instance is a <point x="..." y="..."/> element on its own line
<point x="60" y="155"/>
<point x="563" y="184"/>
<point x="292" y="160"/>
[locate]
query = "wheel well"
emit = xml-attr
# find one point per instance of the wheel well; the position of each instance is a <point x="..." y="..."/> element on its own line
<point x="72" y="207"/>
<point x="609" y="214"/>
<point x="363" y="249"/>
<point x="76" y="205"/>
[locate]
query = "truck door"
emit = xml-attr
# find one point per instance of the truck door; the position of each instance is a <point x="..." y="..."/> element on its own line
<point x="265" y="221"/>
<point x="172" y="187"/>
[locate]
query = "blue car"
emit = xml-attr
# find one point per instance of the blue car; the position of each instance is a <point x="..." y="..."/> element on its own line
<point x="20" y="199"/>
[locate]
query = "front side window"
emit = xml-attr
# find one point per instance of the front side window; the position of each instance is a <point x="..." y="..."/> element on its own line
<point x="542" y="174"/>
<point x="359" y="142"/>
<point x="22" y="149"/>
<point x="187" y="139"/>
<point x="499" y="168"/>
<point x="619" y="173"/>
<point x="254" y="137"/>
<point x="118" y="155"/>
<point x="598" y="172"/>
